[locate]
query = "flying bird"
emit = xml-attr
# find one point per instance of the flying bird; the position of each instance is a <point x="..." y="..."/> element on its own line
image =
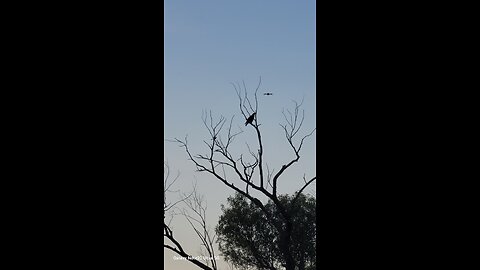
<point x="250" y="119"/>
<point x="268" y="94"/>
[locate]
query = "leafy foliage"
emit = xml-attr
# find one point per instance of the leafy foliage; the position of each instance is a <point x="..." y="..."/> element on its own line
<point x="248" y="239"/>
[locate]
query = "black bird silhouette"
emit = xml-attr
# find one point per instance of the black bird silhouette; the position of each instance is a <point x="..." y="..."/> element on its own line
<point x="268" y="94"/>
<point x="250" y="119"/>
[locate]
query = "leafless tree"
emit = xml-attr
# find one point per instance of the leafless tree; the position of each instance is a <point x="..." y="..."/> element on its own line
<point x="194" y="202"/>
<point x="167" y="188"/>
<point x="219" y="158"/>
<point x="198" y="221"/>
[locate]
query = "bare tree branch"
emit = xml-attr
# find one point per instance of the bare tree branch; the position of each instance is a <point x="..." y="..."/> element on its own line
<point x="291" y="128"/>
<point x="167" y="231"/>
<point x="245" y="169"/>
<point x="304" y="186"/>
<point x="179" y="250"/>
<point x="167" y="188"/>
<point x="198" y="207"/>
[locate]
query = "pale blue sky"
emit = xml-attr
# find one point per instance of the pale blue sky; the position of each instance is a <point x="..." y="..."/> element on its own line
<point x="208" y="45"/>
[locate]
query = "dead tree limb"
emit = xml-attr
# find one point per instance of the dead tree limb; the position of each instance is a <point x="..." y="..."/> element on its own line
<point x="198" y="222"/>
<point x="167" y="231"/>
<point x="219" y="154"/>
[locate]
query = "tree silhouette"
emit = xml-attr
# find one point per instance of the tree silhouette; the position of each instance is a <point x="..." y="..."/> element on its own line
<point x="197" y="220"/>
<point x="248" y="240"/>
<point x="220" y="159"/>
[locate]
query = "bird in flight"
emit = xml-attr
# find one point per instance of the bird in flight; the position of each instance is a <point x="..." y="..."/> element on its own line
<point x="250" y="119"/>
<point x="268" y="94"/>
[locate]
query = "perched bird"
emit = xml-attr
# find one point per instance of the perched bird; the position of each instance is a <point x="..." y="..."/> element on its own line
<point x="268" y="94"/>
<point x="250" y="119"/>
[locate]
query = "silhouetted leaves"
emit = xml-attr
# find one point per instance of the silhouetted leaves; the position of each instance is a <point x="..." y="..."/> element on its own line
<point x="248" y="238"/>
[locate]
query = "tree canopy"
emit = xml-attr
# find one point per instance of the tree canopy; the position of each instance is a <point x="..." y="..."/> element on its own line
<point x="248" y="239"/>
